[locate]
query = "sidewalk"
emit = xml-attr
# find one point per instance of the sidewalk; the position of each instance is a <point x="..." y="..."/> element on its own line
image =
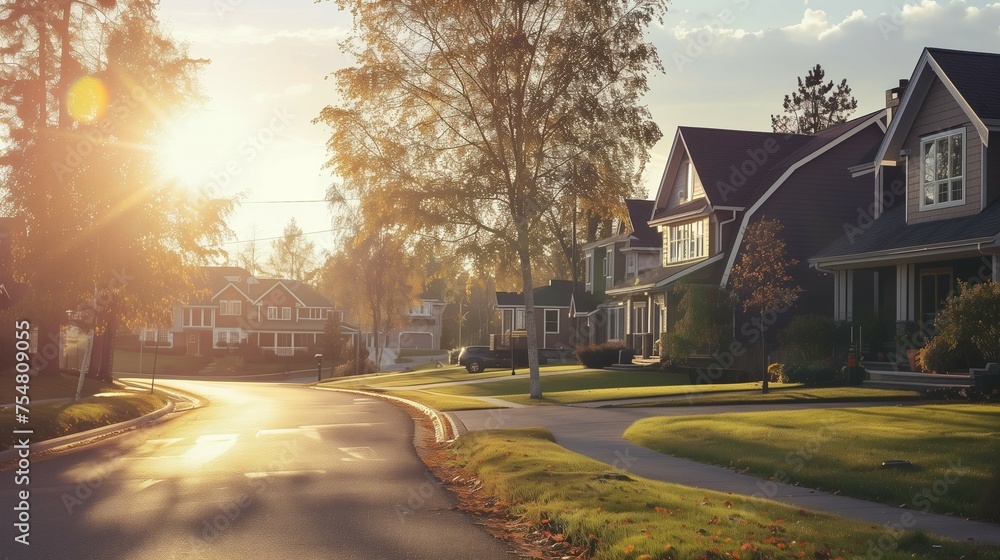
<point x="596" y="433"/>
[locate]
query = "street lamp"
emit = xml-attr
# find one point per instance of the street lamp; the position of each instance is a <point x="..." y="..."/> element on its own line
<point x="319" y="367"/>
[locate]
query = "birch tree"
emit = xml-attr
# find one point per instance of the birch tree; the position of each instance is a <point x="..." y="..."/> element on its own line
<point x="465" y="120"/>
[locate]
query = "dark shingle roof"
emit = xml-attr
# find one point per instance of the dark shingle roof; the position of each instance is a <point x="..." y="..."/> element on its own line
<point x="715" y="152"/>
<point x="557" y="293"/>
<point x="977" y="77"/>
<point x="301" y="290"/>
<point x="890" y="233"/>
<point x="639" y="212"/>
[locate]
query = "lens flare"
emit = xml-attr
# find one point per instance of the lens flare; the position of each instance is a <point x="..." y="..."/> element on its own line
<point x="87" y="100"/>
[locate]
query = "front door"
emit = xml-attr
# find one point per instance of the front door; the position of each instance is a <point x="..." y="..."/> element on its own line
<point x="935" y="287"/>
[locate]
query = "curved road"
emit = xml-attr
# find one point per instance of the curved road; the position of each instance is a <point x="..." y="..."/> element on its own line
<point x="267" y="470"/>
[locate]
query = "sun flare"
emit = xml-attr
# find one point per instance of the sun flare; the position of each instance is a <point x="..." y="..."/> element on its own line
<point x="193" y="148"/>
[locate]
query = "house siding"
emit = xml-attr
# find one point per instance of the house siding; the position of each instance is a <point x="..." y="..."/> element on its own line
<point x="231" y="321"/>
<point x="940" y="112"/>
<point x="680" y="182"/>
<point x="813" y="214"/>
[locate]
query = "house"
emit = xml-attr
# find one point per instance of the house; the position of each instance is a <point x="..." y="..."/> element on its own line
<point x="555" y="327"/>
<point x="932" y="215"/>
<point x="230" y="306"/>
<point x="715" y="184"/>
<point x="421" y="327"/>
<point x="633" y="249"/>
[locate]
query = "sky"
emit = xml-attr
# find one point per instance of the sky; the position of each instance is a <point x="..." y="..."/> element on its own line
<point x="727" y="64"/>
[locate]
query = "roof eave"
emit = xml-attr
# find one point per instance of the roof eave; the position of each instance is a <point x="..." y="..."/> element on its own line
<point x="905" y="253"/>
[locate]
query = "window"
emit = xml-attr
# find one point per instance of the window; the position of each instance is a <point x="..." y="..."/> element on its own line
<point x="687" y="242"/>
<point x="935" y="287"/>
<point x="316" y="313"/>
<point x="685" y="182"/>
<point x="230" y="307"/>
<point x="551" y="321"/>
<point x="588" y="269"/>
<point x="630" y="265"/>
<point x="616" y="323"/>
<point x="607" y="262"/>
<point x="285" y="315"/>
<point x="225" y="337"/>
<point x="284" y="340"/>
<point x="198" y="317"/>
<point x="943" y="169"/>
<point x="424" y="309"/>
<point x="519" y="319"/>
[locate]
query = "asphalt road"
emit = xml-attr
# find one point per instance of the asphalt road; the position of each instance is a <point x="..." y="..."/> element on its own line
<point x="267" y="470"/>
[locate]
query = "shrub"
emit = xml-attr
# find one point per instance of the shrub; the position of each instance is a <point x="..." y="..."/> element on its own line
<point x="367" y="366"/>
<point x="939" y="356"/>
<point x="809" y="337"/>
<point x="970" y="322"/>
<point x="812" y="373"/>
<point x="602" y="355"/>
<point x="776" y="372"/>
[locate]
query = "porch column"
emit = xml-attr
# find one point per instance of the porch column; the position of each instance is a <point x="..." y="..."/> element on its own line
<point x="841" y="305"/>
<point x="905" y="288"/>
<point x="996" y="268"/>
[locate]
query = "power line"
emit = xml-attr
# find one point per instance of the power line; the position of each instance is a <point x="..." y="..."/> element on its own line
<point x="275" y="238"/>
<point x="281" y="201"/>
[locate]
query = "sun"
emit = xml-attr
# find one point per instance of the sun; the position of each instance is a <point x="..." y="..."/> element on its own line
<point x="196" y="149"/>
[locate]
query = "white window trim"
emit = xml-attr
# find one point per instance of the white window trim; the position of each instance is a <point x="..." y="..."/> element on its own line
<point x="226" y="307"/>
<point x="702" y="248"/>
<point x="546" y="317"/>
<point x="608" y="254"/>
<point x="965" y="171"/>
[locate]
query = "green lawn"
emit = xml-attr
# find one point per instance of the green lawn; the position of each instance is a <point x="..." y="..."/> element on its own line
<point x="571" y="498"/>
<point x="59" y="419"/>
<point x="55" y="386"/>
<point x="954" y="449"/>
<point x="127" y="361"/>
<point x="787" y="394"/>
<point x="441" y="402"/>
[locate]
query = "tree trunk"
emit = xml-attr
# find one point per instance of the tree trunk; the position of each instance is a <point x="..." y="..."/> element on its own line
<point x="534" y="381"/>
<point x="46" y="360"/>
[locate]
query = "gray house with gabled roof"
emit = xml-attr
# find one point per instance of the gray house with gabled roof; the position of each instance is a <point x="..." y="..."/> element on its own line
<point x="932" y="217"/>
<point x="716" y="183"/>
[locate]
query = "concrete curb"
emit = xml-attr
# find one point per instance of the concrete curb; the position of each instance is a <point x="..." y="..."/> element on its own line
<point x="446" y="428"/>
<point x="47" y="445"/>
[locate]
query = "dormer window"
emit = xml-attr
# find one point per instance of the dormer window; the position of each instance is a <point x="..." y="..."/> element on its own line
<point x="942" y="167"/>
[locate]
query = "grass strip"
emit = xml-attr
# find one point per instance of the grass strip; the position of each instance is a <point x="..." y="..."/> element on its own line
<point x="444" y="403"/>
<point x="953" y="449"/>
<point x="51" y="386"/>
<point x="60" y="419"/>
<point x="581" y="502"/>
<point x="794" y="394"/>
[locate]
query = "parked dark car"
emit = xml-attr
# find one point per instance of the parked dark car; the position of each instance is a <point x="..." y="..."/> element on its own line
<point x="477" y="358"/>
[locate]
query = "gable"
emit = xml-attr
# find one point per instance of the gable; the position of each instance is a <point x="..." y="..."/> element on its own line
<point x="966" y="76"/>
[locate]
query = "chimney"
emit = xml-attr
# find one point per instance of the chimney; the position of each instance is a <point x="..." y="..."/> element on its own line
<point x="892" y="99"/>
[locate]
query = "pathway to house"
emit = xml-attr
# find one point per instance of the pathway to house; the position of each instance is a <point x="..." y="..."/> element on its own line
<point x="597" y="433"/>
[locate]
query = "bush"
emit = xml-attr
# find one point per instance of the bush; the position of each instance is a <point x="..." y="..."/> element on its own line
<point x="939" y="356"/>
<point x="812" y="373"/>
<point x="809" y="338"/>
<point x="776" y="372"/>
<point x="602" y="355"/>
<point x="970" y="324"/>
<point x="367" y="366"/>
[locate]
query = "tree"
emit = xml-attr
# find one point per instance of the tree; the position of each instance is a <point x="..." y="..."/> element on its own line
<point x="109" y="238"/>
<point x="249" y="257"/>
<point x="334" y="346"/>
<point x="372" y="274"/>
<point x="467" y="120"/>
<point x="761" y="281"/>
<point x="292" y="255"/>
<point x="815" y="106"/>
<point x="706" y="320"/>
